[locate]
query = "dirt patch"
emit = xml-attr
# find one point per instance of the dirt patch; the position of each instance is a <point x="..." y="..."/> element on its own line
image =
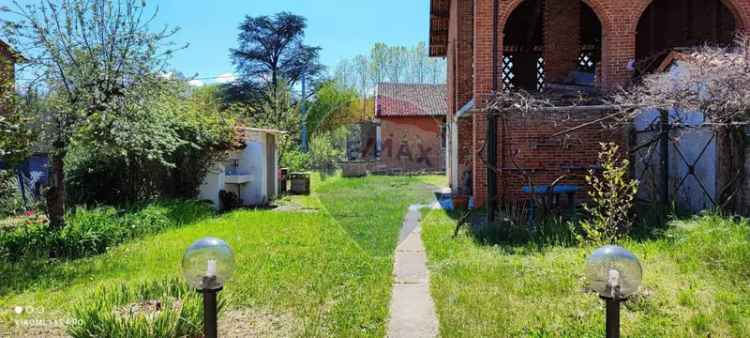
<point x="289" y="206"/>
<point x="258" y="323"/>
<point x="149" y="307"/>
<point x="34" y="327"/>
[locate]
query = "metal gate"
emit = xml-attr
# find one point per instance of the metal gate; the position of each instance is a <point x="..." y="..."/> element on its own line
<point x="674" y="156"/>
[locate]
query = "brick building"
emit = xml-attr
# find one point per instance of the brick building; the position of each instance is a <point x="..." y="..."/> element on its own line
<point x="553" y="46"/>
<point x="412" y="121"/>
<point x="8" y="60"/>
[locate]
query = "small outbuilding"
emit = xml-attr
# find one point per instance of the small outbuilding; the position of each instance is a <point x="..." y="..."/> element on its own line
<point x="251" y="173"/>
<point x="412" y="126"/>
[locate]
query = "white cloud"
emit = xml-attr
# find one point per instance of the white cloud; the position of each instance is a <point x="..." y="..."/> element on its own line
<point x="196" y="83"/>
<point x="226" y="78"/>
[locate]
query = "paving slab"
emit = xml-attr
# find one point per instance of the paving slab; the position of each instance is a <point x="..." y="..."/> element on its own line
<point x="410" y="268"/>
<point x="412" y="310"/>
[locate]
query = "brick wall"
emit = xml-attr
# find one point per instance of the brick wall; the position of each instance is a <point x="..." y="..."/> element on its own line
<point x="461" y="75"/>
<point x="531" y="152"/>
<point x="619" y="19"/>
<point x="465" y="146"/>
<point x="562" y="25"/>
<point x="412" y="143"/>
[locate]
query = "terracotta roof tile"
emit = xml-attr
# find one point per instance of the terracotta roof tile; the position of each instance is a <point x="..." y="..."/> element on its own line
<point x="411" y="100"/>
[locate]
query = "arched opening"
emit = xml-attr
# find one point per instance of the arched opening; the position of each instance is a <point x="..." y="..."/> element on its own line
<point x="669" y="24"/>
<point x="555" y="42"/>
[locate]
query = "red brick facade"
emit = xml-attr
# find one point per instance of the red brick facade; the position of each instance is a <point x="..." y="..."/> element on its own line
<point x="412" y="120"/>
<point x="412" y="143"/>
<point x="474" y="47"/>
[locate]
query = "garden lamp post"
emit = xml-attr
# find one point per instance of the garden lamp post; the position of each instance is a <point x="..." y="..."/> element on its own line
<point x="206" y="265"/>
<point x="614" y="273"/>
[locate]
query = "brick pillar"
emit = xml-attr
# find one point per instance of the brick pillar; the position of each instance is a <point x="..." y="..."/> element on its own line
<point x="460" y="54"/>
<point x="465" y="53"/>
<point x="479" y="169"/>
<point x="562" y="27"/>
<point x="617" y="52"/>
<point x="484" y="23"/>
<point x="460" y="81"/>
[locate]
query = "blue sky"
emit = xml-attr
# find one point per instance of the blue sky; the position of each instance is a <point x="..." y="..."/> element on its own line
<point x="343" y="28"/>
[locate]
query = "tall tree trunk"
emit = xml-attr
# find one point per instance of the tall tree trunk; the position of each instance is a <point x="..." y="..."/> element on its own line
<point x="56" y="192"/>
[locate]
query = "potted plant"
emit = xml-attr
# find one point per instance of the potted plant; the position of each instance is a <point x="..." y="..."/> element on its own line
<point x="460" y="202"/>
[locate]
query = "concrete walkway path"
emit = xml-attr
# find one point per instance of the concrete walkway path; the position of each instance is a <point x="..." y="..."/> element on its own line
<point x="412" y="308"/>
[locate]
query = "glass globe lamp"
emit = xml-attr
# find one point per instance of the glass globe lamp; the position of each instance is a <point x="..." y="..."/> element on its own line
<point x="613" y="272"/>
<point x="208" y="263"/>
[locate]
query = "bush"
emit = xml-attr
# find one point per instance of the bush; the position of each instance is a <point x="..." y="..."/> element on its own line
<point x="10" y="196"/>
<point x="296" y="160"/>
<point x="161" y="149"/>
<point x="93" y="231"/>
<point x="612" y="195"/>
<point x="166" y="308"/>
<point x="328" y="149"/>
<point x="31" y="239"/>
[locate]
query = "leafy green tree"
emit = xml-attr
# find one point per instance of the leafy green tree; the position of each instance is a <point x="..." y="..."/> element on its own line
<point x="162" y="147"/>
<point x="334" y="106"/>
<point x="278" y="111"/>
<point x="15" y="141"/>
<point x="94" y="57"/>
<point x="272" y="51"/>
<point x="15" y="138"/>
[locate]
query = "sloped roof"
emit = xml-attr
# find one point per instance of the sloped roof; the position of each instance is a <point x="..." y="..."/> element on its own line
<point x="8" y="51"/>
<point x="411" y="100"/>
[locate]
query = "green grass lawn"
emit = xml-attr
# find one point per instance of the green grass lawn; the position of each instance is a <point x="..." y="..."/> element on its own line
<point x="695" y="285"/>
<point x="324" y="270"/>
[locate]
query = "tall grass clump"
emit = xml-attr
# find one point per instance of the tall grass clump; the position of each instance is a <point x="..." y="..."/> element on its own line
<point x="93" y="231"/>
<point x="715" y="244"/>
<point x="157" y="309"/>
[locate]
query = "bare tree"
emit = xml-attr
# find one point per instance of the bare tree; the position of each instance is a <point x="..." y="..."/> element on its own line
<point x="436" y="70"/>
<point x="92" y="56"/>
<point x="418" y="57"/>
<point x="396" y="64"/>
<point x="711" y="80"/>
<point x="362" y="69"/>
<point x="378" y="62"/>
<point x="345" y="75"/>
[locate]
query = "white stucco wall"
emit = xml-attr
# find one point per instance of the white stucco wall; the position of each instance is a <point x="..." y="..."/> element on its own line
<point x="212" y="184"/>
<point x="452" y="157"/>
<point x="253" y="161"/>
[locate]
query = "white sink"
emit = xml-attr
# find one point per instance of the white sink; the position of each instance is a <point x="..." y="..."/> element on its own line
<point x="237" y="179"/>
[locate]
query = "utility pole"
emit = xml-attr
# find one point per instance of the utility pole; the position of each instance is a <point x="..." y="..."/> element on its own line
<point x="303" y="109"/>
